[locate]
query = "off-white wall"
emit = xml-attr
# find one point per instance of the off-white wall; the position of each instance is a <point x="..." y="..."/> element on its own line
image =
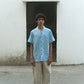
<point x="12" y="29"/>
<point x="70" y="32"/>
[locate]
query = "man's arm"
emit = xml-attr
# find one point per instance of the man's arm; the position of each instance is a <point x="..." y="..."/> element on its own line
<point x="50" y="50"/>
<point x="31" y="50"/>
<point x="31" y="53"/>
<point x="50" y="55"/>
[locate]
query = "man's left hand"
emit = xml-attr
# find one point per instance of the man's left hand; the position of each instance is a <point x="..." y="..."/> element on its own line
<point x="49" y="61"/>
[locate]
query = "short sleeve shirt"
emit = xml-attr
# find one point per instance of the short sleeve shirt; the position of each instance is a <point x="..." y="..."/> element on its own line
<point x="40" y="41"/>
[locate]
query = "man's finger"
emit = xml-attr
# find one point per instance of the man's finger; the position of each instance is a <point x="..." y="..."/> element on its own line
<point x="49" y="62"/>
<point x="33" y="63"/>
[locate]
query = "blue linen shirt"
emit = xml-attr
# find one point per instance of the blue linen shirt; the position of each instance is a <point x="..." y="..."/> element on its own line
<point x="40" y="41"/>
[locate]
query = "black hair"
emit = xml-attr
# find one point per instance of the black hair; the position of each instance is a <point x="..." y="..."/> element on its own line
<point x="40" y="15"/>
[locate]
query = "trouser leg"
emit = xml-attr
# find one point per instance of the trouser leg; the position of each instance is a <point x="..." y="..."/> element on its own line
<point x="46" y="73"/>
<point x="37" y="73"/>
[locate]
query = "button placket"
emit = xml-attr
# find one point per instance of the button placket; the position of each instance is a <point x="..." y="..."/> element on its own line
<point x="41" y="39"/>
<point x="41" y="45"/>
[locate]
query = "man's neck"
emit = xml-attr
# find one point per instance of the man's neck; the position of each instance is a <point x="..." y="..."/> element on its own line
<point x="40" y="27"/>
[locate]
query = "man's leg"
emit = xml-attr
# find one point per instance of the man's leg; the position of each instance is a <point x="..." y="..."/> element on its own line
<point x="46" y="73"/>
<point x="37" y="73"/>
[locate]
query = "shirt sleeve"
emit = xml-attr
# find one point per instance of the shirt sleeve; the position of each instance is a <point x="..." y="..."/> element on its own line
<point x="30" y="39"/>
<point x="51" y="37"/>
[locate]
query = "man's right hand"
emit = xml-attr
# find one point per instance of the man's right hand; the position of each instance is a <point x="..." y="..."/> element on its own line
<point x="32" y="61"/>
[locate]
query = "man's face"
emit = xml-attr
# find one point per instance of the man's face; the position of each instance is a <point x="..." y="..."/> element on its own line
<point x="40" y="21"/>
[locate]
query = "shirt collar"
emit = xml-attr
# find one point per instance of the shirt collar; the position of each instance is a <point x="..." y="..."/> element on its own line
<point x="42" y="29"/>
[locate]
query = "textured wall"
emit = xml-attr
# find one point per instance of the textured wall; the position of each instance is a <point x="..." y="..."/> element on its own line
<point x="12" y="31"/>
<point x="70" y="32"/>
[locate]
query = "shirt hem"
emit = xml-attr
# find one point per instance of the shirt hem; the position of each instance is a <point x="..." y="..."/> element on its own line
<point x="40" y="60"/>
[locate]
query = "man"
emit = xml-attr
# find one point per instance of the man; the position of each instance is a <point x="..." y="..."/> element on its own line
<point x="41" y="39"/>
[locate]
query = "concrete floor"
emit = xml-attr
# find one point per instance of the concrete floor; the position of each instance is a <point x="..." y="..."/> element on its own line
<point x="24" y="75"/>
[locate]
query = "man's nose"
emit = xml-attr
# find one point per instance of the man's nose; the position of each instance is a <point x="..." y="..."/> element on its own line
<point x="40" y="20"/>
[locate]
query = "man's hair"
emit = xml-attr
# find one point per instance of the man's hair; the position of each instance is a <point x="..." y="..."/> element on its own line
<point x="40" y="15"/>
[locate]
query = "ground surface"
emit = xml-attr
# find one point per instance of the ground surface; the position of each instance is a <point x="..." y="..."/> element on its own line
<point x="60" y="75"/>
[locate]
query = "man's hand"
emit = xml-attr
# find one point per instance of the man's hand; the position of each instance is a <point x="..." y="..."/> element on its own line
<point x="31" y="52"/>
<point x="49" y="60"/>
<point x="32" y="61"/>
<point x="50" y="57"/>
